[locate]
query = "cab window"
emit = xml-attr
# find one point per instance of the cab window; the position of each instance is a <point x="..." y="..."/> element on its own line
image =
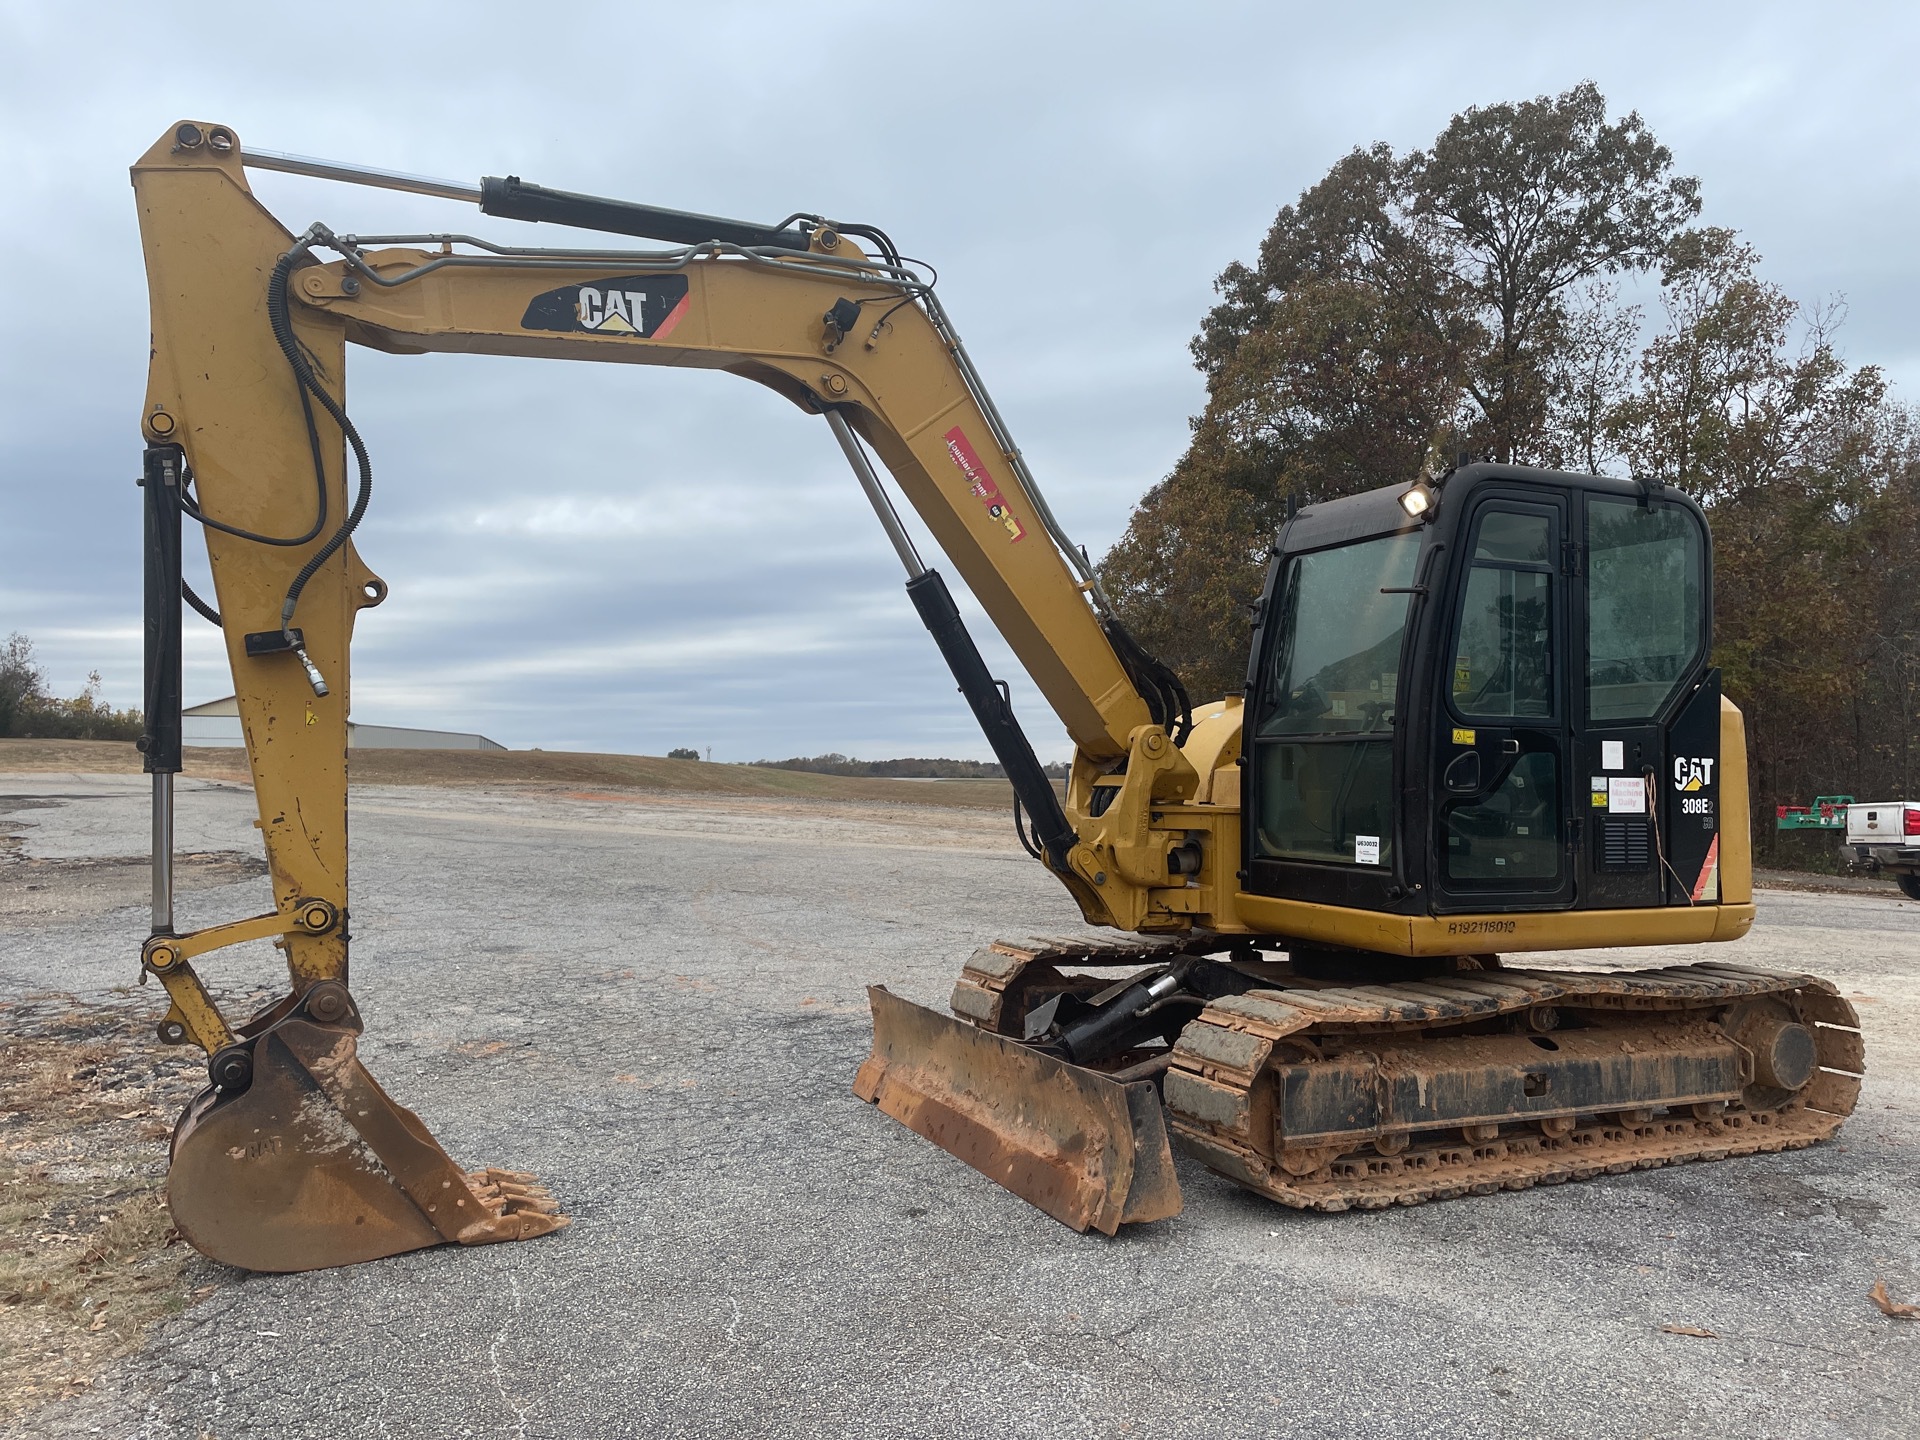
<point x="1503" y="647"/>
<point x="1501" y="815"/>
<point x="1646" y="606"/>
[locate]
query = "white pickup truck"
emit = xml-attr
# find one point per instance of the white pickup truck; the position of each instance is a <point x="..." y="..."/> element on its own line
<point x="1886" y="836"/>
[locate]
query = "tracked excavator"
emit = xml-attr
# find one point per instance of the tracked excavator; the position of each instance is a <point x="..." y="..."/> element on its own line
<point x="1480" y="720"/>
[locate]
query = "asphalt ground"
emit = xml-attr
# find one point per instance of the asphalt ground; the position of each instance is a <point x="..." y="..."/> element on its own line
<point x="657" y="1004"/>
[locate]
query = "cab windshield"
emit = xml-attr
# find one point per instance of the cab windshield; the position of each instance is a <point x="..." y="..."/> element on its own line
<point x="1337" y="665"/>
<point x="1324" y="744"/>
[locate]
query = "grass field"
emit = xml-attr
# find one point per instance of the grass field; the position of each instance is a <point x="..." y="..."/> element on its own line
<point x="528" y="767"/>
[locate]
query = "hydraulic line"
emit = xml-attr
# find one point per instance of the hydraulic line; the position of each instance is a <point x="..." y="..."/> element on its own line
<point x="309" y="385"/>
<point x="191" y="508"/>
<point x="206" y="611"/>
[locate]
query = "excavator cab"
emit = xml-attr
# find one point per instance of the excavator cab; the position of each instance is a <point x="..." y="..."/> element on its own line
<point x="1493" y="695"/>
<point x="1480" y="716"/>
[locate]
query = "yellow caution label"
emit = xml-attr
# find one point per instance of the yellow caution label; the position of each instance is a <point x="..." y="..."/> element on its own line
<point x="1599" y="799"/>
<point x="1462" y="737"/>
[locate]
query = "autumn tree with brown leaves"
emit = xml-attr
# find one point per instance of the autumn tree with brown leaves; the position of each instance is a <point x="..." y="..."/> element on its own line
<point x="28" y="710"/>
<point x="1810" y="476"/>
<point x="1402" y="299"/>
<point x="1467" y="296"/>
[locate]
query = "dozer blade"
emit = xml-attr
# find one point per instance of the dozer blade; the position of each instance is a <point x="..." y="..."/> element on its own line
<point x="1088" y="1150"/>
<point x="311" y="1164"/>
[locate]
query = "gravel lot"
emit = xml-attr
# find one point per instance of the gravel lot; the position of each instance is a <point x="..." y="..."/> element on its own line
<point x="657" y="1004"/>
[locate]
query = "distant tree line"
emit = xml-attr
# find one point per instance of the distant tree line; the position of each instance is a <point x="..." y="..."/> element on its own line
<point x="28" y="711"/>
<point x="911" y="769"/>
<point x="1467" y="297"/>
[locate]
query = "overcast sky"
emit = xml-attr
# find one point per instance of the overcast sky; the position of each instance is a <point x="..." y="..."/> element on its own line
<point x="629" y="559"/>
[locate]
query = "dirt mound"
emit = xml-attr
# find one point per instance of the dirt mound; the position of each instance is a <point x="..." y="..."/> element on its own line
<point x="529" y="767"/>
<point x="89" y="1260"/>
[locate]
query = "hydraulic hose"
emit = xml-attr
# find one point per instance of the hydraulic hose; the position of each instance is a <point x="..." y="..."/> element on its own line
<point x="310" y="386"/>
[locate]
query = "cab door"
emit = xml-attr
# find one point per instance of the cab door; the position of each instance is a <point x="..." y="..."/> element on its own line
<point x="1649" y="742"/>
<point x="1502" y="788"/>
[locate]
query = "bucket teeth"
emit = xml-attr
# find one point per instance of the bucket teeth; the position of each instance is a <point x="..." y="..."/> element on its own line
<point x="519" y="1207"/>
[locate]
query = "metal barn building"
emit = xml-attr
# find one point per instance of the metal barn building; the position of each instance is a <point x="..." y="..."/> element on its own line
<point x="218" y="723"/>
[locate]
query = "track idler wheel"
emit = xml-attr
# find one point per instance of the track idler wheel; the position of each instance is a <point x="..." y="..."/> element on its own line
<point x="296" y="1159"/>
<point x="1784" y="1050"/>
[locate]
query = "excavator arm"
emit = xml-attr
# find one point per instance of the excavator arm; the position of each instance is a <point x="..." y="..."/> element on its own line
<point x="249" y="434"/>
<point x="266" y="318"/>
<point x="892" y="375"/>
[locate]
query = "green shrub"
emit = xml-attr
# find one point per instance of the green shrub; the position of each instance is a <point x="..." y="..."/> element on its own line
<point x="27" y="711"/>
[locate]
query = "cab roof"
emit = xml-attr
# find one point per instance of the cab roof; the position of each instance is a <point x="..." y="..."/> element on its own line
<point x="1377" y="512"/>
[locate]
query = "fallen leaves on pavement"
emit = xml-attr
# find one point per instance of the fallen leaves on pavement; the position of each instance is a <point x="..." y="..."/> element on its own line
<point x="1890" y="1307"/>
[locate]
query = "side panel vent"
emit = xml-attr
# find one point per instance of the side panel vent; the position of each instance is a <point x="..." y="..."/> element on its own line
<point x="1626" y="844"/>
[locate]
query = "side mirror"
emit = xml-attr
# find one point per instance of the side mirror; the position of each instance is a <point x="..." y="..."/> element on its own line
<point x="1463" y="775"/>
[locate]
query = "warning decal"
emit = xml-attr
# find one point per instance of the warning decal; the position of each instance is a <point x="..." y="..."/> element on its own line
<point x="1707" y="887"/>
<point x="979" y="482"/>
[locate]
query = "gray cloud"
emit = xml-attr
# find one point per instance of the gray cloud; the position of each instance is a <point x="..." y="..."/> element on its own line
<point x="631" y="559"/>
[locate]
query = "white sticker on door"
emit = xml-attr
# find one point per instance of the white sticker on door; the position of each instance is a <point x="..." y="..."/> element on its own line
<point x="1627" y="796"/>
<point x="1613" y="754"/>
<point x="1366" y="849"/>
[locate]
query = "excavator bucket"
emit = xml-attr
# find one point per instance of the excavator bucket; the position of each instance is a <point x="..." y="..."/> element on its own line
<point x="307" y="1163"/>
<point x="1090" y="1151"/>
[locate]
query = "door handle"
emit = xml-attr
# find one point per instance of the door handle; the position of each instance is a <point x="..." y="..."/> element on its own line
<point x="1463" y="774"/>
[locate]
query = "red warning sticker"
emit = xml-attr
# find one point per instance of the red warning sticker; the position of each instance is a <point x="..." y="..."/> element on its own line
<point x="979" y="482"/>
